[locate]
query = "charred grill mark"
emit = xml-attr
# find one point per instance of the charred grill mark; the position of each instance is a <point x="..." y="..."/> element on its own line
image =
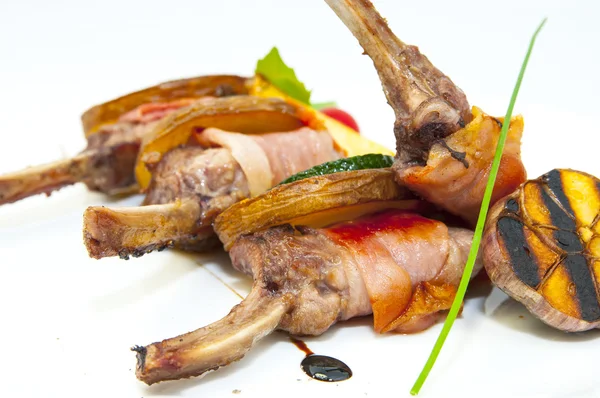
<point x="125" y="253"/>
<point x="524" y="265"/>
<point x="140" y="356"/>
<point x="568" y="241"/>
<point x="554" y="183"/>
<point x="576" y="264"/>
<point x="512" y="206"/>
<point x="585" y="291"/>
<point x="558" y="217"/>
<point x="460" y="156"/>
<point x="498" y="122"/>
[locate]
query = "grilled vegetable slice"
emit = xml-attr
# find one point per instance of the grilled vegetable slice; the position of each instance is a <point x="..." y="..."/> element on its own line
<point x="363" y="162"/>
<point x="542" y="247"/>
<point x="315" y="202"/>
<point x="196" y="87"/>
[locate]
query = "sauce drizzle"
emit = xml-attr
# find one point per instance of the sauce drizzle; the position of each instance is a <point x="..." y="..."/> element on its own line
<point x="301" y="346"/>
<point x="324" y="368"/>
<point x="321" y="367"/>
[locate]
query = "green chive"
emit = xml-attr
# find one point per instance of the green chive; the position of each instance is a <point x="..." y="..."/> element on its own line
<point x="485" y="204"/>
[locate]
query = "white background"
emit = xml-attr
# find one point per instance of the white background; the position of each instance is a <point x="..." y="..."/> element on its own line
<point x="68" y="321"/>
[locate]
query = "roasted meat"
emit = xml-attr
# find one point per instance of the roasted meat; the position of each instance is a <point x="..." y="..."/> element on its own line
<point x="444" y="149"/>
<point x="542" y="247"/>
<point x="114" y="131"/>
<point x="191" y="185"/>
<point x="400" y="266"/>
<point x="360" y="247"/>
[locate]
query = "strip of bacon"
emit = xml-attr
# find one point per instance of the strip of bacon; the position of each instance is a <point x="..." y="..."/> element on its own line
<point x="310" y="148"/>
<point x="444" y="179"/>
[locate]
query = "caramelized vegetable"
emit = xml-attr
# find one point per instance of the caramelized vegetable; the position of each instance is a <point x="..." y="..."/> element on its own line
<point x="242" y="114"/>
<point x="314" y="201"/>
<point x="195" y="87"/>
<point x="542" y="247"/>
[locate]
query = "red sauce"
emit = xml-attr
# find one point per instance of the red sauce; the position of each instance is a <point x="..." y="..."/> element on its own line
<point x="386" y="221"/>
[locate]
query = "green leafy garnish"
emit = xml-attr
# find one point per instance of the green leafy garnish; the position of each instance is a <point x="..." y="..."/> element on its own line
<point x="361" y="162"/>
<point x="485" y="204"/>
<point x="272" y="68"/>
<point x="322" y="105"/>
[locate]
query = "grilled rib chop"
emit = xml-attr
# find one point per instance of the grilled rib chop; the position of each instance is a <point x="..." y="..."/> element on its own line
<point x="114" y="131"/>
<point x="189" y="188"/>
<point x="444" y="149"/>
<point x="400" y="266"/>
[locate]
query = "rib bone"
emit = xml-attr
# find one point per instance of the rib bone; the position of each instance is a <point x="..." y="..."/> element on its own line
<point x="139" y="230"/>
<point x="215" y="345"/>
<point x="42" y="179"/>
<point x="106" y="165"/>
<point x="428" y="105"/>
<point x="192" y="186"/>
<point x="215" y="178"/>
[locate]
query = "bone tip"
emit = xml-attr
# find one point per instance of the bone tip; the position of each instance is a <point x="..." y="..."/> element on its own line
<point x="96" y="221"/>
<point x="140" y="355"/>
<point x="150" y="369"/>
<point x="94" y="245"/>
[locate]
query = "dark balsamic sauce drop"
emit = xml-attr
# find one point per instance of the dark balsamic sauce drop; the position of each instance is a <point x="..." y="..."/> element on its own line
<point x="321" y="367"/>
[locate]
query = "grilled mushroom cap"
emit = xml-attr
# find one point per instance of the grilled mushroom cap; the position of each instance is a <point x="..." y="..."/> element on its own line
<point x="542" y="247"/>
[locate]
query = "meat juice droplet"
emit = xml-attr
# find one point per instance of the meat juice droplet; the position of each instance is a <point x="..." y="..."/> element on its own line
<point x="321" y="367"/>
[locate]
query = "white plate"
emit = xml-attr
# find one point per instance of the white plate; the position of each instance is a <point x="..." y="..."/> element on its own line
<point x="68" y="321"/>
